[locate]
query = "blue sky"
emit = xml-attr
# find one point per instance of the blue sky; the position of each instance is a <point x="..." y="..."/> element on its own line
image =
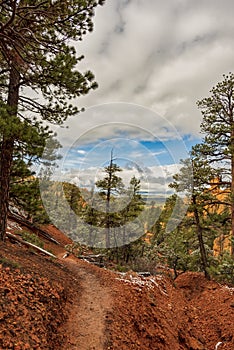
<point x="153" y="162"/>
<point x="153" y="61"/>
<point x="135" y="132"/>
<point x="143" y="143"/>
<point x="127" y="151"/>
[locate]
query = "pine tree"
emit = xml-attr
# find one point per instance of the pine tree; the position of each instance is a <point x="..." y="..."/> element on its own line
<point x="218" y="127"/>
<point x="24" y="191"/>
<point x="35" y="53"/>
<point x="111" y="185"/>
<point x="194" y="177"/>
<point x="91" y="217"/>
<point x="137" y="202"/>
<point x="133" y="209"/>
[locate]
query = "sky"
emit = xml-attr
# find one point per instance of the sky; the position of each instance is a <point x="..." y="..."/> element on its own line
<point x="161" y="55"/>
<point x="152" y="60"/>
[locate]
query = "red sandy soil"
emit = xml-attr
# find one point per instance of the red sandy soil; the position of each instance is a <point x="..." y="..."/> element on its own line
<point x="70" y="304"/>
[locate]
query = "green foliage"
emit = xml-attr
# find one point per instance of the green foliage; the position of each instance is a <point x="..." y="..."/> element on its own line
<point x="42" y="54"/>
<point x="121" y="268"/>
<point x="217" y="147"/>
<point x="168" y="218"/>
<point x="120" y="206"/>
<point x="80" y="213"/>
<point x="195" y="176"/>
<point x="136" y="203"/>
<point x="222" y="269"/>
<point x="38" y="77"/>
<point x="62" y="200"/>
<point x="9" y="263"/>
<point x="217" y="124"/>
<point x="136" y="256"/>
<point x="111" y="184"/>
<point x="147" y="261"/>
<point x="25" y="194"/>
<point x="31" y="238"/>
<point x="179" y="248"/>
<point x="187" y="243"/>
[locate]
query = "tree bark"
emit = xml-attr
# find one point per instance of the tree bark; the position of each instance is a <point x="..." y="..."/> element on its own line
<point x="7" y="149"/>
<point x="232" y="191"/>
<point x="6" y="161"/>
<point x="108" y="197"/>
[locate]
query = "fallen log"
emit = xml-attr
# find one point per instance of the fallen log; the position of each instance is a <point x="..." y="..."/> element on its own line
<point x="20" y="240"/>
<point x="144" y="273"/>
<point x="34" y="228"/>
<point x="94" y="259"/>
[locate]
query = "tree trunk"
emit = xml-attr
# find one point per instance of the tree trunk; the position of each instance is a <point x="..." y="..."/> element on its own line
<point x="232" y="193"/>
<point x="108" y="227"/>
<point x="7" y="148"/>
<point x="6" y="161"/>
<point x="200" y="238"/>
<point x="108" y="198"/>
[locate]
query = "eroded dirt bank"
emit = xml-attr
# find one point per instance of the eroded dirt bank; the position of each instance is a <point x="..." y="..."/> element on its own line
<point x="129" y="312"/>
<point x="69" y="304"/>
<point x="193" y="314"/>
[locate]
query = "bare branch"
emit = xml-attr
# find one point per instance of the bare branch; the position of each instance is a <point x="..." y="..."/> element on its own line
<point x="34" y="7"/>
<point x="11" y="20"/>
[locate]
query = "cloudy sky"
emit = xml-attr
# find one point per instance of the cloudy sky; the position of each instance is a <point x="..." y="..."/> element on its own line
<point x="160" y="55"/>
<point x="152" y="60"/>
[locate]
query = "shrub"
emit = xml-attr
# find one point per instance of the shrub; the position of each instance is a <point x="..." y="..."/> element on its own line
<point x="224" y="269"/>
<point x="32" y="238"/>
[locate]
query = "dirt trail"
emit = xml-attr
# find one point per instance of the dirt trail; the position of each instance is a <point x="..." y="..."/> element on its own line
<point x="85" y="328"/>
<point x="68" y="304"/>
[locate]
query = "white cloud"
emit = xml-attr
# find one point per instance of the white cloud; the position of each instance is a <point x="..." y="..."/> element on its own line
<point x="80" y="151"/>
<point x="161" y="55"/>
<point x="154" y="179"/>
<point x="105" y="122"/>
<point x="153" y="60"/>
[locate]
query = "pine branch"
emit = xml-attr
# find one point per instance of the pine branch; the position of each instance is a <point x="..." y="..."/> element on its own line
<point x="11" y="20"/>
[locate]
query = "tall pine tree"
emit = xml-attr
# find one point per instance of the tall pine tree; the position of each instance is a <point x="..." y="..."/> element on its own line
<point x="110" y="185"/>
<point x="36" y="53"/>
<point x="217" y="146"/>
<point x="194" y="177"/>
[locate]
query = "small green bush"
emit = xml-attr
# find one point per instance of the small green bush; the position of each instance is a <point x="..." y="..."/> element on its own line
<point x="121" y="268"/>
<point x="223" y="271"/>
<point x="32" y="238"/>
<point x="9" y="263"/>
